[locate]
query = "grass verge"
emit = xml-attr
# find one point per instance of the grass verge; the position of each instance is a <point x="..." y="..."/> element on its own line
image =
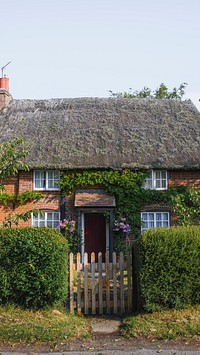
<point x="47" y="326"/>
<point x="171" y="324"/>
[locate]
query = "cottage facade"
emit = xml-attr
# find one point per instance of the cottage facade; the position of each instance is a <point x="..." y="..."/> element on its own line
<point x="158" y="136"/>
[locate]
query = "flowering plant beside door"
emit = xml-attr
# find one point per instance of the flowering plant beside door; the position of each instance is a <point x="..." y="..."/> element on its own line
<point x="121" y="229"/>
<point x="68" y="229"/>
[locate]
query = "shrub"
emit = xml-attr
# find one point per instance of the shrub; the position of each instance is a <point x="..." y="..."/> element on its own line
<point x="33" y="267"/>
<point x="169" y="267"/>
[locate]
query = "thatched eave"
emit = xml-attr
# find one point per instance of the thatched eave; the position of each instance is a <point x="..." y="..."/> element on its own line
<point x="105" y="133"/>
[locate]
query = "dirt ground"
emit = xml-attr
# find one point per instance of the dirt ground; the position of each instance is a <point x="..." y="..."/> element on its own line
<point x="106" y="336"/>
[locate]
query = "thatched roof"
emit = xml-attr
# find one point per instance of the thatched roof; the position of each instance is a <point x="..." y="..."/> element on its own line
<point x="105" y="132"/>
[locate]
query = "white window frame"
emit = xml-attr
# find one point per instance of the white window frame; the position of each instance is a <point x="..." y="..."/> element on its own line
<point x="154" y="220"/>
<point x="46" y="180"/>
<point x="44" y="219"/>
<point x="151" y="180"/>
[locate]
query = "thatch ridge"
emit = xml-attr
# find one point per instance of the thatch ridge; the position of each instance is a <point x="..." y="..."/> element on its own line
<point x="105" y="132"/>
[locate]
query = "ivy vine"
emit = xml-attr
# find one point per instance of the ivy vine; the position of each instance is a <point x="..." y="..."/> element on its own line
<point x="22" y="198"/>
<point x="127" y="186"/>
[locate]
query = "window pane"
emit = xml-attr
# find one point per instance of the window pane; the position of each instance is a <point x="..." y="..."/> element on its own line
<point x="37" y="174"/>
<point x="151" y="216"/>
<point x="158" y="224"/>
<point x="160" y="179"/>
<point x="50" y="175"/>
<point x="158" y="216"/>
<point x="151" y="224"/>
<point x="53" y="179"/>
<point x="164" y="184"/>
<point x="165" y="224"/>
<point x="50" y="184"/>
<point x="41" y="223"/>
<point x="163" y="175"/>
<point x="57" y="216"/>
<point x="148" y="184"/>
<point x="40" y="179"/>
<point x="56" y="175"/>
<point x="49" y="224"/>
<point x="144" y="216"/>
<point x="55" y="224"/>
<point x="158" y="184"/>
<point x="157" y="175"/>
<point x="49" y="216"/>
<point x="39" y="184"/>
<point x="35" y="223"/>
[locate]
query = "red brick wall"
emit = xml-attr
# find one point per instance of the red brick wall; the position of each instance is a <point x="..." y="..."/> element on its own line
<point x="24" y="182"/>
<point x="176" y="178"/>
<point x="11" y="185"/>
<point x="184" y="178"/>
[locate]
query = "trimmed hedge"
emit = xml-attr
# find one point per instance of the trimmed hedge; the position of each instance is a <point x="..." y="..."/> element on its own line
<point x="33" y="267"/>
<point x="168" y="267"/>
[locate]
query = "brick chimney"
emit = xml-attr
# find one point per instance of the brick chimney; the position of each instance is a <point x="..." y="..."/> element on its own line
<point x="5" y="96"/>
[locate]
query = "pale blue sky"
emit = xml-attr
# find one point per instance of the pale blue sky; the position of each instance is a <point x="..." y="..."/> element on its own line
<point x="77" y="48"/>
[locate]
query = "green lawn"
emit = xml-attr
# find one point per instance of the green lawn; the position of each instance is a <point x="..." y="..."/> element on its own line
<point x="50" y="326"/>
<point x="171" y="324"/>
<point x="17" y="325"/>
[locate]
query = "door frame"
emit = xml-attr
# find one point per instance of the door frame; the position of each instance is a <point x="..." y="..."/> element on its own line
<point x="109" y="228"/>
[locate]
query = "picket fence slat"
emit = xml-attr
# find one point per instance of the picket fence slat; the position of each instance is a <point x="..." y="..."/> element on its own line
<point x="114" y="283"/>
<point x="107" y="285"/>
<point x="100" y="283"/>
<point x="86" y="283"/>
<point x="93" y="283"/>
<point x="78" y="260"/>
<point x="101" y="287"/>
<point x="121" y="262"/>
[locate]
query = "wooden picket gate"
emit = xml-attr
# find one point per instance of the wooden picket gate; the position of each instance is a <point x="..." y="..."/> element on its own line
<point x="100" y="287"/>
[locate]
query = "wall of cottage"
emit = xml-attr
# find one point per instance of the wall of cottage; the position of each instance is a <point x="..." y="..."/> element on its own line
<point x="24" y="182"/>
<point x="176" y="178"/>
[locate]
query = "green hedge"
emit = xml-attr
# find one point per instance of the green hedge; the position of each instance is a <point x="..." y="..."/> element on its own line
<point x="168" y="267"/>
<point x="33" y="267"/>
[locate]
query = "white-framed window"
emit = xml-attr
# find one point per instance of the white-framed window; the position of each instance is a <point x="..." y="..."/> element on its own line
<point x="154" y="220"/>
<point x="47" y="219"/>
<point x="46" y="179"/>
<point x="156" y="180"/>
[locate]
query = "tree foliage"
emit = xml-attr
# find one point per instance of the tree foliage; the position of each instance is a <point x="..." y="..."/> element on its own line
<point x="12" y="159"/>
<point x="162" y="92"/>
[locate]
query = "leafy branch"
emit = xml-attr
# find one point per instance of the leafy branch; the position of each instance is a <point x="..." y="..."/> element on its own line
<point x="22" y="198"/>
<point x="162" y="92"/>
<point x="15" y="218"/>
<point x="12" y="158"/>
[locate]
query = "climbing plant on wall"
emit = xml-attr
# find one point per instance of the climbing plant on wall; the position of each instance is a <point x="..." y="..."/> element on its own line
<point x="125" y="185"/>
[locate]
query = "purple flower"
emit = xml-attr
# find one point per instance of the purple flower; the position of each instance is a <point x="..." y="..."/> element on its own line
<point x="121" y="226"/>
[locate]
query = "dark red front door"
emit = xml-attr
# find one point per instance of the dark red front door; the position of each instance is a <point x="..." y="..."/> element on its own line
<point x="95" y="233"/>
